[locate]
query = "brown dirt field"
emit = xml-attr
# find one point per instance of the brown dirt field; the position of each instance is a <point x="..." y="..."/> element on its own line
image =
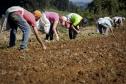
<point x="97" y="60"/>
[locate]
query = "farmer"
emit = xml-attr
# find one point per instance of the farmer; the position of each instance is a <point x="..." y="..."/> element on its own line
<point x="104" y="25"/>
<point x="72" y="22"/>
<point x="17" y="16"/>
<point x="111" y="20"/>
<point x="43" y="24"/>
<point x="53" y="17"/>
<point x="118" y="21"/>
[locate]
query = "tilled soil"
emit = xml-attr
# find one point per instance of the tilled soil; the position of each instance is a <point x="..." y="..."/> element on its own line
<point x="97" y="60"/>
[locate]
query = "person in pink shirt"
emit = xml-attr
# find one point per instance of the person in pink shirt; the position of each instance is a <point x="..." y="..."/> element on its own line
<point x="17" y="16"/>
<point x="54" y="20"/>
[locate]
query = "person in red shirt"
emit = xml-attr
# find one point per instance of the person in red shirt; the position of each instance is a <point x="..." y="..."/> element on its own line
<point x="19" y="17"/>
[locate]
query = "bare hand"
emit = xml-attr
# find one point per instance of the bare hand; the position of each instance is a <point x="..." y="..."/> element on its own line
<point x="78" y="31"/>
<point x="44" y="47"/>
<point x="57" y="38"/>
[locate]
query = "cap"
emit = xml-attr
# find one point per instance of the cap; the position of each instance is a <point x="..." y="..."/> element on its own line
<point x="37" y="13"/>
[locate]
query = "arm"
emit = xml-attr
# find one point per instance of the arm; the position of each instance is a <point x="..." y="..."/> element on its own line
<point x="75" y="28"/>
<point x="38" y="38"/>
<point x="111" y="29"/>
<point x="54" y="29"/>
<point x="3" y="23"/>
<point x="121" y="21"/>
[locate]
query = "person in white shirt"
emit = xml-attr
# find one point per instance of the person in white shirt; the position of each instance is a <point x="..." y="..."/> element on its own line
<point x="104" y="25"/>
<point x="118" y="21"/>
<point x="43" y="24"/>
<point x="111" y="20"/>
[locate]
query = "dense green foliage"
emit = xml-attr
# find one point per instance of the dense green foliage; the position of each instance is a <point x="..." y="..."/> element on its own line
<point x="96" y="7"/>
<point x="108" y="7"/>
<point x="62" y="5"/>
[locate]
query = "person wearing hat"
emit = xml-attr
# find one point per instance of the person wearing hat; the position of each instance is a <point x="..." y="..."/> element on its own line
<point x="48" y="20"/>
<point x="43" y="24"/>
<point x="17" y="16"/>
<point x="72" y="22"/>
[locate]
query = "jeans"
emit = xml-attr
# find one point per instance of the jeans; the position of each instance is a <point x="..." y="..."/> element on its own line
<point x="16" y="21"/>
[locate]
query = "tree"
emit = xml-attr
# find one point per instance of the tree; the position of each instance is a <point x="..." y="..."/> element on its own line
<point x="107" y="7"/>
<point x="61" y="4"/>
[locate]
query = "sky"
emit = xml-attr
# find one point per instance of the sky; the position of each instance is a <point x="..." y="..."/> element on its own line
<point x="81" y="0"/>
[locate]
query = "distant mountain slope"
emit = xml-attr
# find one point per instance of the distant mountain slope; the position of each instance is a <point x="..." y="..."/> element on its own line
<point x="81" y="4"/>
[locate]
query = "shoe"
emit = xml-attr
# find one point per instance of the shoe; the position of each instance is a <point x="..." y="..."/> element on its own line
<point x="23" y="49"/>
<point x="47" y="41"/>
<point x="10" y="46"/>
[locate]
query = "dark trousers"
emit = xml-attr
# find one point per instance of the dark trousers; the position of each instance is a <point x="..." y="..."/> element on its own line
<point x="50" y="34"/>
<point x="72" y="33"/>
<point x="101" y="28"/>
